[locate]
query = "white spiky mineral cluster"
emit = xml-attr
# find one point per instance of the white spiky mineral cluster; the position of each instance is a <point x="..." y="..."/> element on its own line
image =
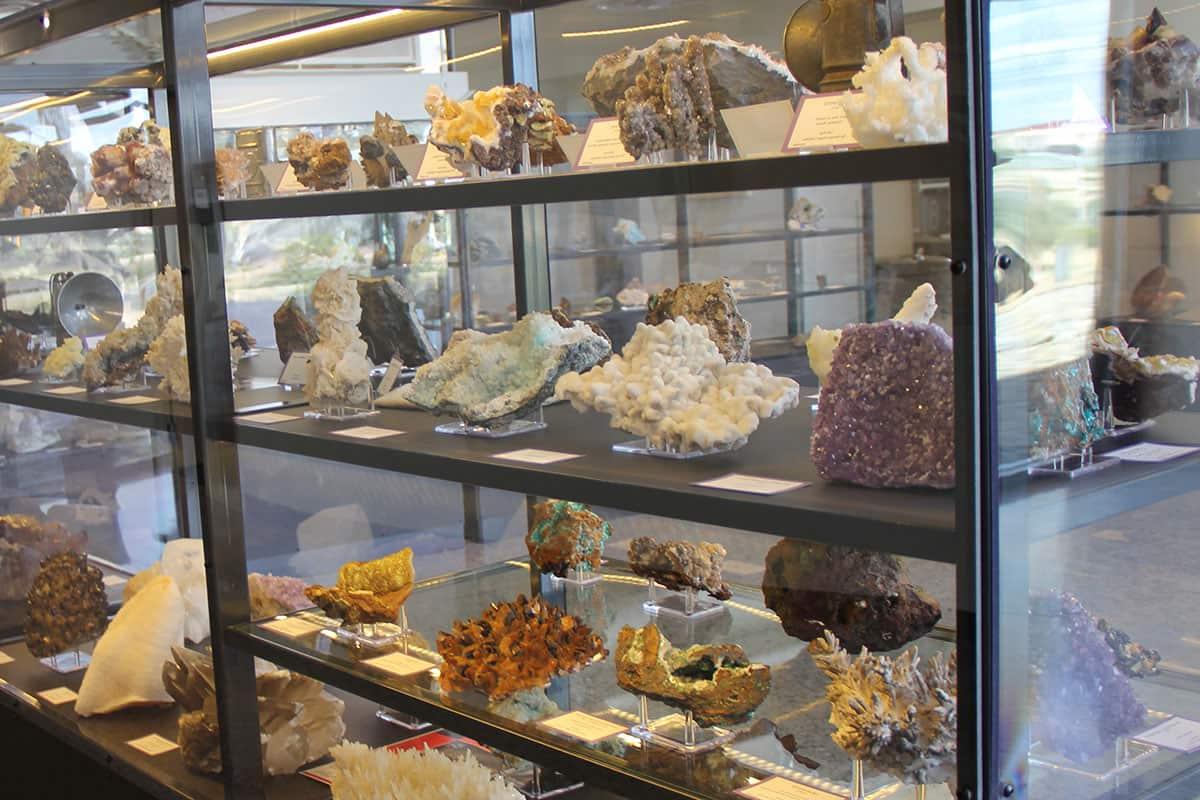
<point x="897" y="107"/>
<point x="363" y="773"/>
<point x="339" y="370"/>
<point x="672" y="386"/>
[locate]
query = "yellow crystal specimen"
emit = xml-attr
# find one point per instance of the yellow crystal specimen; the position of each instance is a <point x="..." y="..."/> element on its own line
<point x="388" y="574"/>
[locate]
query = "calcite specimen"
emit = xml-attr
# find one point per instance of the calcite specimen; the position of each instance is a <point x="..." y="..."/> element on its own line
<point x="1151" y="71"/>
<point x="137" y="169"/>
<point x="271" y="595"/>
<point x="168" y="357"/>
<point x="1146" y="386"/>
<point x="319" y="163"/>
<point x="339" y="372"/>
<point x="564" y="536"/>
<point x="680" y="565"/>
<point x="493" y="379"/>
<point x="390" y="324"/>
<point x="122" y="353"/>
<point x="298" y="720"/>
<point x="716" y="682"/>
<point x="183" y="562"/>
<point x="1158" y="293"/>
<point x="672" y="386"/>
<point x="1132" y="658"/>
<point x="863" y="597"/>
<point x="293" y="331"/>
<point x="25" y="542"/>
<point x="489" y="128"/>
<point x="1081" y="701"/>
<point x="17" y="351"/>
<point x="65" y="361"/>
<point x="364" y="773"/>
<point x="515" y="646"/>
<point x="66" y="605"/>
<point x="896" y="714"/>
<point x="712" y="305"/>
<point x="233" y="169"/>
<point x="903" y="97"/>
<point x="368" y="591"/>
<point x="126" y="668"/>
<point x="53" y="181"/>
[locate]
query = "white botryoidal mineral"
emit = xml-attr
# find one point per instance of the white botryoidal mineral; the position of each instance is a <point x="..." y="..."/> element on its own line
<point x="919" y="308"/>
<point x="64" y="362"/>
<point x="338" y="370"/>
<point x="903" y="97"/>
<point x="672" y="386"/>
<point x="364" y="773"/>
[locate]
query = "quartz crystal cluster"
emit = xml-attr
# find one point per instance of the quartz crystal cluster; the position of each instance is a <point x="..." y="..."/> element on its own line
<point x="368" y="591"/>
<point x="491" y="128"/>
<point x="377" y="153"/>
<point x="66" y="605"/>
<point x="716" y="682"/>
<point x="903" y="97"/>
<point x="364" y="773"/>
<point x="65" y="361"/>
<point x="31" y="177"/>
<point x="137" y="169"/>
<point x="319" y="163"/>
<point x="271" y="595"/>
<point x="390" y="325"/>
<point x="493" y="379"/>
<point x="680" y="565"/>
<point x="299" y="722"/>
<point x="1152" y="71"/>
<point x="1146" y="386"/>
<point x="25" y="542"/>
<point x="183" y="562"/>
<point x="294" y="333"/>
<point x="339" y="370"/>
<point x="515" y="646"/>
<point x="898" y="715"/>
<point x="712" y="305"/>
<point x="566" y="536"/>
<point x="122" y="353"/>
<point x="672" y="386"/>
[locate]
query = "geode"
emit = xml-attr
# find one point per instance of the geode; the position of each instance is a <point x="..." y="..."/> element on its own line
<point x="368" y="591"/>
<point x="680" y="565"/>
<point x="319" y="163"/>
<point x="54" y="180"/>
<point x="564" y="535"/>
<point x="390" y="324"/>
<point x="515" y="646"/>
<point x="712" y="305"/>
<point x="899" y="715"/>
<point x="886" y="415"/>
<point x="493" y="379"/>
<point x="1081" y="701"/>
<point x="491" y="128"/>
<point x="864" y="597"/>
<point x="1151" y="71"/>
<point x="25" y="542"/>
<point x="66" y="605"/>
<point x="294" y="333"/>
<point x="716" y="682"/>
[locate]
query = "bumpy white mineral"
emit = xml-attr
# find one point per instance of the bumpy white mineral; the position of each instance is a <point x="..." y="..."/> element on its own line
<point x="339" y="370"/>
<point x="363" y="773"/>
<point x="672" y="386"/>
<point x="919" y="308"/>
<point x="903" y="96"/>
<point x="64" y="361"/>
<point x="168" y="357"/>
<point x="122" y="352"/>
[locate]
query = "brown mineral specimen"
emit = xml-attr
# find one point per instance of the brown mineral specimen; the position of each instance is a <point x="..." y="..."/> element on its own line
<point x="560" y="312"/>
<point x="669" y="105"/>
<point x="66" y="606"/>
<point x="379" y="161"/>
<point x="1158" y="294"/>
<point x="711" y="304"/>
<point x="293" y="331"/>
<point x="515" y="646"/>
<point x="54" y="180"/>
<point x="680" y="565"/>
<point x="17" y="352"/>
<point x="233" y="169"/>
<point x="240" y="336"/>
<point x="1152" y="71"/>
<point x="389" y="323"/>
<point x="319" y="164"/>
<point x="25" y="542"/>
<point x="716" y="682"/>
<point x="368" y="591"/>
<point x="393" y="132"/>
<point x="137" y="169"/>
<point x="490" y="128"/>
<point x="863" y="597"/>
<point x="565" y="535"/>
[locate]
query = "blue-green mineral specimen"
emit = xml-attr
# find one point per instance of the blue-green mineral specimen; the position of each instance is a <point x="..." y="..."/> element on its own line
<point x="565" y="536"/>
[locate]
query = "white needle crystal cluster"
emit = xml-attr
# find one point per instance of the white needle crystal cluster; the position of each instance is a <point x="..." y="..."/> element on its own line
<point x="364" y="773"/>
<point x="903" y="97"/>
<point x="672" y="386"/>
<point x="339" y="370"/>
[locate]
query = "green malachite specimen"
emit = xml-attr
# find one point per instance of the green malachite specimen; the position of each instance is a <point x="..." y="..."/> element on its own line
<point x="1064" y="412"/>
<point x="565" y="536"/>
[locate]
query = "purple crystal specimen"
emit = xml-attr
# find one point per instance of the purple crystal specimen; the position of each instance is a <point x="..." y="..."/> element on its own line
<point x="886" y="414"/>
<point x="1082" y="702"/>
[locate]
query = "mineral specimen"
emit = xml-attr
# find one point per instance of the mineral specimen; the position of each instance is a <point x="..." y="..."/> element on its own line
<point x="805" y="215"/>
<point x="564" y="536"/>
<point x="66" y="605"/>
<point x="895" y="714"/>
<point x="903" y="97"/>
<point x="515" y="646"/>
<point x="494" y="379"/>
<point x="716" y="682"/>
<point x="1133" y="659"/>
<point x="17" y="351"/>
<point x="271" y="595"/>
<point x="712" y="305"/>
<point x="18" y="163"/>
<point x="490" y="128"/>
<point x="680" y="565"/>
<point x="672" y="386"/>
<point x="525" y="706"/>
<point x="697" y="75"/>
<point x="293" y="332"/>
<point x="339" y="372"/>
<point x="122" y="353"/>
<point x="168" y="357"/>
<point x="1146" y="386"/>
<point x="1082" y="703"/>
<point x="368" y="591"/>
<point x="363" y="773"/>
<point x="633" y="295"/>
<point x="126" y="668"/>
<point x="1158" y="294"/>
<point x="298" y="720"/>
<point x="183" y="562"/>
<point x="25" y="542"/>
<point x="390" y="324"/>
<point x="319" y="163"/>
<point x="863" y="597"/>
<point x="233" y="170"/>
<point x="137" y="169"/>
<point x="379" y="159"/>
<point x="240" y="336"/>
<point x="65" y="361"/>
<point x="53" y="181"/>
<point x="1064" y="411"/>
<point x="1151" y="72"/>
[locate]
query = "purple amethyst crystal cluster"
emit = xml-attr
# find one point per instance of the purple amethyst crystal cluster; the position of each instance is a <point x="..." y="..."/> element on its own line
<point x="886" y="414"/>
<point x="1082" y="702"/>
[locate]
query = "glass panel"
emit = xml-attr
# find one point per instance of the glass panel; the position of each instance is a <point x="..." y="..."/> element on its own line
<point x="122" y="46"/>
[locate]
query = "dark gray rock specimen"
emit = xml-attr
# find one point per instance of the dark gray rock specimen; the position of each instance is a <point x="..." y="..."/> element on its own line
<point x="389" y="323"/>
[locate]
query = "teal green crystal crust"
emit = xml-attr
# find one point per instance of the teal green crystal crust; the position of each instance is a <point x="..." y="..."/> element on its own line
<point x="565" y="535"/>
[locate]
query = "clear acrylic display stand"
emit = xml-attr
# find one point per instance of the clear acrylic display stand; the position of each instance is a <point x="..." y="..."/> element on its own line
<point x="340" y="413"/>
<point x="643" y="447"/>
<point x="1072" y="465"/>
<point x="134" y="383"/>
<point x="399" y="718"/>
<point x="68" y="662"/>
<point x="514" y="428"/>
<point x="858" y="784"/>
<point x="677" y="731"/>
<point x="689" y="605"/>
<point x="376" y="635"/>
<point x="575" y="577"/>
<point x="536" y="783"/>
<point x="1124" y="755"/>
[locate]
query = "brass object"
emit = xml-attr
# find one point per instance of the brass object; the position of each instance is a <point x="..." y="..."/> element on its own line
<point x="825" y="41"/>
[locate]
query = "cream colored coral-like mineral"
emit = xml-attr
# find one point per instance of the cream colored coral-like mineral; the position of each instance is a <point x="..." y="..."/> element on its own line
<point x="903" y="97"/>
<point x="364" y="773"/>
<point x="64" y="362"/>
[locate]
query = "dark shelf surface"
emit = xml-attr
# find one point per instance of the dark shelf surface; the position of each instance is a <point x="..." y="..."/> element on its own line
<point x="1152" y="146"/>
<point x="913" y="523"/>
<point x="773" y="172"/>
<point x="1151" y="211"/>
<point x="88" y="221"/>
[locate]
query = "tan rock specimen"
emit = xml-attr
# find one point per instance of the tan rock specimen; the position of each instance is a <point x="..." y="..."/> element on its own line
<point x="716" y="682"/>
<point x="711" y="304"/>
<point x="66" y="605"/>
<point x="294" y="332"/>
<point x="319" y="163"/>
<point x="564" y="535"/>
<point x="368" y="591"/>
<point x="680" y="565"/>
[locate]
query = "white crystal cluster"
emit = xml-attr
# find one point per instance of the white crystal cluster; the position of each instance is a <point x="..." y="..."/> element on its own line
<point x="338" y="370"/>
<point x="897" y="107"/>
<point x="64" y="362"/>
<point x="183" y="562"/>
<point x="363" y="773"/>
<point x="919" y="308"/>
<point x="168" y="357"/>
<point x="672" y="386"/>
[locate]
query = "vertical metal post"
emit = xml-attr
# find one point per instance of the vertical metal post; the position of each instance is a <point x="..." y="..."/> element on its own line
<point x="1164" y="219"/>
<point x="472" y="514"/>
<point x="867" y="277"/>
<point x="793" y="254"/>
<point x="683" y="239"/>
<point x="209" y="370"/>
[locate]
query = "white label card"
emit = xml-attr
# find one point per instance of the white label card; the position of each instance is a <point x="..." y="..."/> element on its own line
<point x="584" y="727"/>
<point x="1177" y="733"/>
<point x="783" y="789"/>
<point x="270" y="418"/>
<point x="367" y="432"/>
<point x="115" y="580"/>
<point x="1150" y="452"/>
<point x="820" y="123"/>
<point x="388" y="381"/>
<point x="153" y="744"/>
<point x="289" y="183"/>
<point x="292" y="626"/>
<point x="5" y="658"/>
<point x="736" y="482"/>
<point x="436" y="165"/>
<point x="531" y="455"/>
<point x="135" y="400"/>
<point x="58" y="696"/>
<point x="14" y="382"/>
<point x="399" y="664"/>
<point x="67" y="390"/>
<point x="602" y="145"/>
<point x="758" y="129"/>
<point x="295" y="371"/>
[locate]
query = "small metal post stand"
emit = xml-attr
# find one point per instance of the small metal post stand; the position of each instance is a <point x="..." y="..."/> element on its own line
<point x="643" y="447"/>
<point x="538" y="783"/>
<point x="687" y="605"/>
<point x="919" y="792"/>
<point x="678" y="732"/>
<point x="858" y="789"/>
<point x="68" y="662"/>
<point x="399" y="718"/>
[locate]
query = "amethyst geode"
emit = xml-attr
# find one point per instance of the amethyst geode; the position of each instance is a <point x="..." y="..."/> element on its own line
<point x="886" y="414"/>
<point x="1082" y="702"/>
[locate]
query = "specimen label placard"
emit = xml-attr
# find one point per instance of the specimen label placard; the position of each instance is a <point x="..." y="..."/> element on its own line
<point x="759" y="128"/>
<point x="135" y="400"/>
<point x="295" y="371"/>
<point x="531" y="455"/>
<point x="1151" y="452"/>
<point x="153" y="745"/>
<point x="292" y="626"/>
<point x="602" y="145"/>
<point x="270" y="418"/>
<point x="399" y="664"/>
<point x="58" y="696"/>
<point x="1177" y="733"/>
<point x="67" y="390"/>
<point x="5" y="658"/>
<point x="820" y="123"/>
<point x="584" y="727"/>
<point x="367" y="432"/>
<point x="388" y="381"/>
<point x="13" y="382"/>
<point x="736" y="482"/>
<point x="782" y="789"/>
<point x="436" y="165"/>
